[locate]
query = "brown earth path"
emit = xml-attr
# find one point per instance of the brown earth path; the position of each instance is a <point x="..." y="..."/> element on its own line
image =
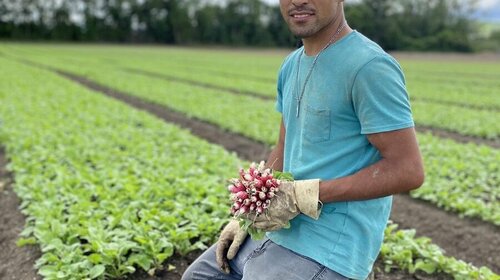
<point x="15" y="263"/>
<point x="197" y="83"/>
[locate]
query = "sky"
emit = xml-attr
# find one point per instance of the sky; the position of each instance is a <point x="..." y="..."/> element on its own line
<point x="488" y="10"/>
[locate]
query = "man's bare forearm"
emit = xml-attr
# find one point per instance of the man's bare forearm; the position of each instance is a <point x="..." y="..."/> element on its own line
<point x="275" y="159"/>
<point x="380" y="179"/>
<point x="399" y="170"/>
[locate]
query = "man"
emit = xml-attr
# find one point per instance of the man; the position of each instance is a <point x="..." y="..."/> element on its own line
<point x="347" y="128"/>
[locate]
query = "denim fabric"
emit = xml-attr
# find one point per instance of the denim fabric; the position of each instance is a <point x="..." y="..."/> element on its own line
<point x="260" y="260"/>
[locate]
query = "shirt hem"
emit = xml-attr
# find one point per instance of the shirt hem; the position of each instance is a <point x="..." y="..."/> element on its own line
<point x="387" y="128"/>
<point x="340" y="269"/>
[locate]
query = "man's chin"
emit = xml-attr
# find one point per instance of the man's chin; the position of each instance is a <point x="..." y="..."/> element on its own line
<point x="302" y="34"/>
<point x="302" y="31"/>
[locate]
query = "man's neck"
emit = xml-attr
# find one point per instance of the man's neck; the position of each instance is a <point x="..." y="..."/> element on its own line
<point x="314" y="44"/>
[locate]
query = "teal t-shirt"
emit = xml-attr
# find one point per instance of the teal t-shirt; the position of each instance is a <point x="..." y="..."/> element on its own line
<point x="355" y="89"/>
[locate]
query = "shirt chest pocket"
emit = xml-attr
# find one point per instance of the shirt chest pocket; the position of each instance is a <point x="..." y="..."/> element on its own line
<point x="317" y="124"/>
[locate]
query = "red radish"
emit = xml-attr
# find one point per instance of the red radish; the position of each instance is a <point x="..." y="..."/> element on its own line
<point x="262" y="195"/>
<point x="252" y="191"/>
<point x="252" y="207"/>
<point x="244" y="209"/>
<point x="242" y="195"/>
<point x="236" y="205"/>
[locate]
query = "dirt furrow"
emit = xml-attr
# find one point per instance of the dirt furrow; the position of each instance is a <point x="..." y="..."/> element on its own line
<point x="460" y="138"/>
<point x="492" y="107"/>
<point x="15" y="262"/>
<point x="471" y="240"/>
<point x="245" y="147"/>
<point x="231" y="74"/>
<point x="197" y="83"/>
<point x="443" y="133"/>
<point x="257" y="95"/>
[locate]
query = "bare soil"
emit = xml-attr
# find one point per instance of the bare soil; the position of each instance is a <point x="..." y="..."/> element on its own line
<point x="197" y="83"/>
<point x="16" y="263"/>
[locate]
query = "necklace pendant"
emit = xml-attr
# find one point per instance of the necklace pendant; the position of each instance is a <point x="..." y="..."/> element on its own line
<point x="298" y="108"/>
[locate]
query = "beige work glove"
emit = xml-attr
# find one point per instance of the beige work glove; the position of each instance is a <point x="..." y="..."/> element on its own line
<point x="231" y="237"/>
<point x="293" y="198"/>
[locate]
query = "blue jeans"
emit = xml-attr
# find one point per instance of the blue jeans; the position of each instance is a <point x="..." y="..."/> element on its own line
<point x="260" y="260"/>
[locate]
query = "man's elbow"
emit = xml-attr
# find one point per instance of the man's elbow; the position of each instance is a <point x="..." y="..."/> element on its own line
<point x="416" y="177"/>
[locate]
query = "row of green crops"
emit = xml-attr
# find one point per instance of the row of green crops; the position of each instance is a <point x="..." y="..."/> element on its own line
<point x="457" y="116"/>
<point x="460" y="177"/>
<point x="427" y="107"/>
<point x="233" y="112"/>
<point x="108" y="189"/>
<point x="468" y="106"/>
<point x="403" y="251"/>
<point x="462" y="90"/>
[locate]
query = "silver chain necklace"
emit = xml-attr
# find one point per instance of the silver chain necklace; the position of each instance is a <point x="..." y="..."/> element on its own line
<point x="299" y="97"/>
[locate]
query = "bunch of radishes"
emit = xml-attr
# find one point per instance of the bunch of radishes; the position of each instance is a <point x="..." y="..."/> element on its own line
<point x="252" y="192"/>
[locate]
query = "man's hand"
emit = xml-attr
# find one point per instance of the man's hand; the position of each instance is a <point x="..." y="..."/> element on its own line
<point x="231" y="237"/>
<point x="292" y="199"/>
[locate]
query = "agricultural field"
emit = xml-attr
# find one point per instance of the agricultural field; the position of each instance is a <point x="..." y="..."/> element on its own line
<point x="113" y="160"/>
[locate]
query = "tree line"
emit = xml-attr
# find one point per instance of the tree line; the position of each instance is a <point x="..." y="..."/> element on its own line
<point x="420" y="25"/>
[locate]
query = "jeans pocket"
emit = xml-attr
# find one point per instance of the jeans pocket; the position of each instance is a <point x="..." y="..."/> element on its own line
<point x="317" y="124"/>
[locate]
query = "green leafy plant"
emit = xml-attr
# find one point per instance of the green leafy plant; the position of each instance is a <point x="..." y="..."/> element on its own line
<point x="402" y="250"/>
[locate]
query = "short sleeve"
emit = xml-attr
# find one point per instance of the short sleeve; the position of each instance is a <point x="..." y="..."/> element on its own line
<point x="380" y="98"/>
<point x="282" y="77"/>
<point x="279" y="92"/>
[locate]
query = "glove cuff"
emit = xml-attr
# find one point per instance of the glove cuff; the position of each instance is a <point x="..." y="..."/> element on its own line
<point x="307" y="196"/>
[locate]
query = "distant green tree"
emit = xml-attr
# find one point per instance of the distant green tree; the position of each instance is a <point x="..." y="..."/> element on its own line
<point x="377" y="20"/>
<point x="415" y="24"/>
<point x="436" y="25"/>
<point x="278" y="28"/>
<point x="61" y="27"/>
<point x="180" y="21"/>
<point x="495" y="35"/>
<point x="243" y="23"/>
<point x="495" y="40"/>
<point x="209" y="24"/>
<point x="166" y="21"/>
<point x="396" y="25"/>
